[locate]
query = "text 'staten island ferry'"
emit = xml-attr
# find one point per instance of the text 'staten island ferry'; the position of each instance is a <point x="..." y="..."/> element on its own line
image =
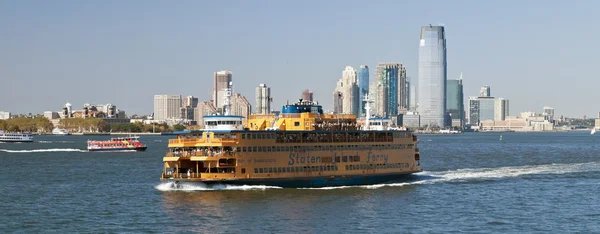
<point x="15" y="136"/>
<point x="117" y="144"/>
<point x="302" y="147"/>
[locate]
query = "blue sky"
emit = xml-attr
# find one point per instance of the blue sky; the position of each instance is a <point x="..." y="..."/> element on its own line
<point x="534" y="53"/>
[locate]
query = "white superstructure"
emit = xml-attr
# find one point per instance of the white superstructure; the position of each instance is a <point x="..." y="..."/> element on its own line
<point x="59" y="131"/>
<point x="15" y="137"/>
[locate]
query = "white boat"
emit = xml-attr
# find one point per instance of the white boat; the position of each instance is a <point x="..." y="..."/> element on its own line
<point x="15" y="137"/>
<point x="593" y="131"/>
<point x="58" y="131"/>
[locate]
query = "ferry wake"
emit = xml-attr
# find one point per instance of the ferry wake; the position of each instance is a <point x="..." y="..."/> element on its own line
<point x="300" y="147"/>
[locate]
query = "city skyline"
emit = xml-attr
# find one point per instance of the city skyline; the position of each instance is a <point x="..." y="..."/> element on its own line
<point x="86" y="49"/>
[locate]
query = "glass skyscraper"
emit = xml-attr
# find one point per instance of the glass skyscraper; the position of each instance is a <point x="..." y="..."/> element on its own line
<point x="432" y="76"/>
<point x="454" y="102"/>
<point x="363" y="87"/>
<point x="392" y="77"/>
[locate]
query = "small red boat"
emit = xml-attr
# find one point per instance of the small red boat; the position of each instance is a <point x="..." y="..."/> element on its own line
<point x="117" y="144"/>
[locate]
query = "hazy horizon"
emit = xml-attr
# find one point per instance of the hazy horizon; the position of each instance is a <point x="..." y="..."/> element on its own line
<point x="533" y="53"/>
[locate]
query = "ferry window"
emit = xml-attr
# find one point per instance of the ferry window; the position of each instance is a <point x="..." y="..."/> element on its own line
<point x="279" y="170"/>
<point x="344" y="158"/>
<point x="268" y="149"/>
<point x="255" y="170"/>
<point x="296" y="124"/>
<point x="357" y="158"/>
<point x="289" y="169"/>
<point x="243" y="136"/>
<point x="243" y="170"/>
<point x="260" y="170"/>
<point x="301" y="169"/>
<point x="273" y="170"/>
<point x="243" y="149"/>
<point x="259" y="136"/>
<point x="337" y="158"/>
<point x="273" y="148"/>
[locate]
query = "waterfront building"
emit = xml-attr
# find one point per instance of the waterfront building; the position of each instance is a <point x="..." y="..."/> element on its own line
<point x="455" y="102"/>
<point x="431" y="90"/>
<point x="411" y="120"/>
<point x="187" y="113"/>
<point x="350" y="92"/>
<point x="167" y="107"/>
<point x="190" y="101"/>
<point x="392" y="98"/>
<point x="487" y="108"/>
<point x="263" y="99"/>
<point x="307" y="95"/>
<point x="363" y="88"/>
<point x="338" y="98"/>
<point x="4" y="115"/>
<point x="222" y="80"/>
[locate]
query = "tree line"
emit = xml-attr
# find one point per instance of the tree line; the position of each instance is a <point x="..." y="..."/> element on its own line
<point x="40" y="124"/>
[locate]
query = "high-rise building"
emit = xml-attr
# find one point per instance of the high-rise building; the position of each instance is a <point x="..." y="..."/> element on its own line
<point x="454" y="101"/>
<point x="350" y="91"/>
<point x="204" y="109"/>
<point x="222" y="79"/>
<point x="187" y="113"/>
<point x="4" y="115"/>
<point x="549" y="113"/>
<point x="431" y="91"/>
<point x="487" y="108"/>
<point x="263" y="99"/>
<point x="338" y="98"/>
<point x="363" y="88"/>
<point x="307" y="95"/>
<point x="240" y="106"/>
<point x="390" y="81"/>
<point x="167" y="107"/>
<point x="190" y="101"/>
<point x="485" y="91"/>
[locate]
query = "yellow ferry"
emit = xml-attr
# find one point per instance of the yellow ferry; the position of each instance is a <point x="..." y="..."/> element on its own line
<point x="300" y="147"/>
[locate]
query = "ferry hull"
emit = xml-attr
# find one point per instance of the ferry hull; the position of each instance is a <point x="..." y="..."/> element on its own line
<point x="310" y="182"/>
<point x="118" y="149"/>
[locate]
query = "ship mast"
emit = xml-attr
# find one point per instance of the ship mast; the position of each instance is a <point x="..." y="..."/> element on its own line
<point x="367" y="111"/>
<point x="227" y="105"/>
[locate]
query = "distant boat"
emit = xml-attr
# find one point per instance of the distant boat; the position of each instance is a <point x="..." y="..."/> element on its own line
<point x="117" y="144"/>
<point x="58" y="131"/>
<point x="15" y="137"/>
<point x="593" y="131"/>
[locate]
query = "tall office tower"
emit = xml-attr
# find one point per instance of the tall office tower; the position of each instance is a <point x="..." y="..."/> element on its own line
<point x="549" y="113"/>
<point x="485" y="91"/>
<point x="390" y="79"/>
<point x="167" y="107"/>
<point x="363" y="88"/>
<point x="263" y="99"/>
<point x="307" y="95"/>
<point x="338" y="98"/>
<point x="431" y="92"/>
<point x="500" y="109"/>
<point x="221" y="82"/>
<point x="350" y="91"/>
<point x="376" y="95"/>
<point x="190" y="101"/>
<point x="454" y="101"/>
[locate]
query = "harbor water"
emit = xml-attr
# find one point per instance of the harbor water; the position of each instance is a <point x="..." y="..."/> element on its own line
<point x="472" y="182"/>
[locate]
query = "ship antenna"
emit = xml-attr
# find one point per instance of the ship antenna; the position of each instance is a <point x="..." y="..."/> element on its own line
<point x="367" y="111"/>
<point x="227" y="105"/>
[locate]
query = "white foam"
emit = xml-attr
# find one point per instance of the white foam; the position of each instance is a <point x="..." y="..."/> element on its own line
<point x="182" y="186"/>
<point x="42" y="150"/>
<point x="513" y="171"/>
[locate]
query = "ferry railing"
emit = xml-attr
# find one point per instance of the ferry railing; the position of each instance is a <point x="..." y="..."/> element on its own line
<point x="201" y="154"/>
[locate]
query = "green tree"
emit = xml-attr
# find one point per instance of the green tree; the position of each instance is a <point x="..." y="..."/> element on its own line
<point x="178" y="127"/>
